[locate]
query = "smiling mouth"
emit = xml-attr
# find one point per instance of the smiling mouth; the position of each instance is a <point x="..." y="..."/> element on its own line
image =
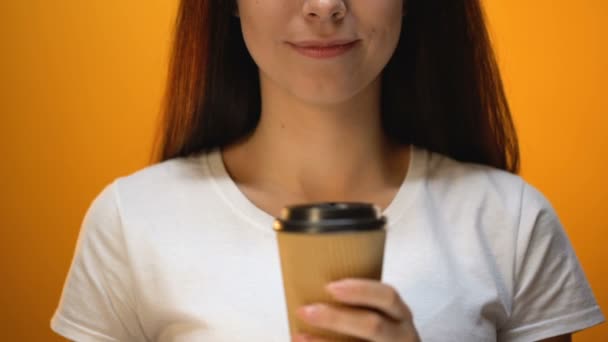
<point x="320" y="50"/>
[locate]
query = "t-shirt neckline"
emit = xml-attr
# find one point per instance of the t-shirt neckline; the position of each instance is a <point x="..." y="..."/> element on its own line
<point x="230" y="192"/>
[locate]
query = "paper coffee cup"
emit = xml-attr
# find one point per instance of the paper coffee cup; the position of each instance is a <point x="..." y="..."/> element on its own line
<point x="324" y="242"/>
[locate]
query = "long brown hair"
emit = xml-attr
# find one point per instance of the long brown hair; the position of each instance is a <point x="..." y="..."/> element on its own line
<point x="442" y="89"/>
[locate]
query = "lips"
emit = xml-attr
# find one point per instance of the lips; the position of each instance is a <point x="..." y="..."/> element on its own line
<point x="323" y="44"/>
<point x="324" y="49"/>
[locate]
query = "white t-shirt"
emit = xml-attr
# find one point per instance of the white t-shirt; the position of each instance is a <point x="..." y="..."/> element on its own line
<point x="175" y="252"/>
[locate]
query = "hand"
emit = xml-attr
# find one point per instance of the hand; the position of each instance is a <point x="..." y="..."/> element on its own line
<point x="385" y="316"/>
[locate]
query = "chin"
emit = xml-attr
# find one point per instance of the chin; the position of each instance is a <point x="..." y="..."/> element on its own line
<point x="324" y="95"/>
<point x="324" y="91"/>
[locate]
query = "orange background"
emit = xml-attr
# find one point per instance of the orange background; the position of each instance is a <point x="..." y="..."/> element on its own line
<point x="80" y="89"/>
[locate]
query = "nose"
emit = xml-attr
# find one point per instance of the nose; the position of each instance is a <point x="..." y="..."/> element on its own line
<point x="322" y="10"/>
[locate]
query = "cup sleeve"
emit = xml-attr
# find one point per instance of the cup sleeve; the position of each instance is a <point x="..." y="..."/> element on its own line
<point x="97" y="302"/>
<point x="551" y="296"/>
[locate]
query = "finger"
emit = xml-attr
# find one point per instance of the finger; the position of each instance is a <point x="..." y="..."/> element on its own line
<point x="308" y="338"/>
<point x="362" y="323"/>
<point x="372" y="294"/>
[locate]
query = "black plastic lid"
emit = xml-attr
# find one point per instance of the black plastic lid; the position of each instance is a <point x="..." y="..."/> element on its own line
<point x="329" y="217"/>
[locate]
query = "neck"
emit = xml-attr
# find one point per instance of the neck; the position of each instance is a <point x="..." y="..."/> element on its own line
<point x="318" y="151"/>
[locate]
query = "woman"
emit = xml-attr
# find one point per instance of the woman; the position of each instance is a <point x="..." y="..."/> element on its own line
<point x="275" y="102"/>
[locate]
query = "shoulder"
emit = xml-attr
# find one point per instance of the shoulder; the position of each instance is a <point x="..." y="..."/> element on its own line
<point x="155" y="189"/>
<point x="163" y="175"/>
<point x="491" y="194"/>
<point x="164" y="180"/>
<point x="466" y="182"/>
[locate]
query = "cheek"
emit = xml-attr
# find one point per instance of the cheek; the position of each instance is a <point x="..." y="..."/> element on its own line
<point x="261" y="40"/>
<point x="260" y="23"/>
<point x="384" y="36"/>
<point x="384" y="17"/>
<point x="253" y="34"/>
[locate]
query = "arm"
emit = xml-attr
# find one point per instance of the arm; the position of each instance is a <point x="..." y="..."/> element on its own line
<point x="98" y="301"/>
<point x="551" y="295"/>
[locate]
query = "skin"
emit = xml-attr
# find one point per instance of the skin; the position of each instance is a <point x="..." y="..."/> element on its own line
<point x="320" y="130"/>
<point x="324" y="113"/>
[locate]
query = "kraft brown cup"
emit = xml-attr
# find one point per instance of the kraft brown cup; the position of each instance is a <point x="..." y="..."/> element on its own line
<point x="324" y="242"/>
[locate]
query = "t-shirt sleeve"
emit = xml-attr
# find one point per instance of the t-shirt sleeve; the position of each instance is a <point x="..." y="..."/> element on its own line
<point x="552" y="296"/>
<point x="97" y="302"/>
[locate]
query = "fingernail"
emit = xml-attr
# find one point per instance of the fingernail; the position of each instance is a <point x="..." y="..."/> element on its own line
<point x="308" y="311"/>
<point x="302" y="338"/>
<point x="336" y="288"/>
